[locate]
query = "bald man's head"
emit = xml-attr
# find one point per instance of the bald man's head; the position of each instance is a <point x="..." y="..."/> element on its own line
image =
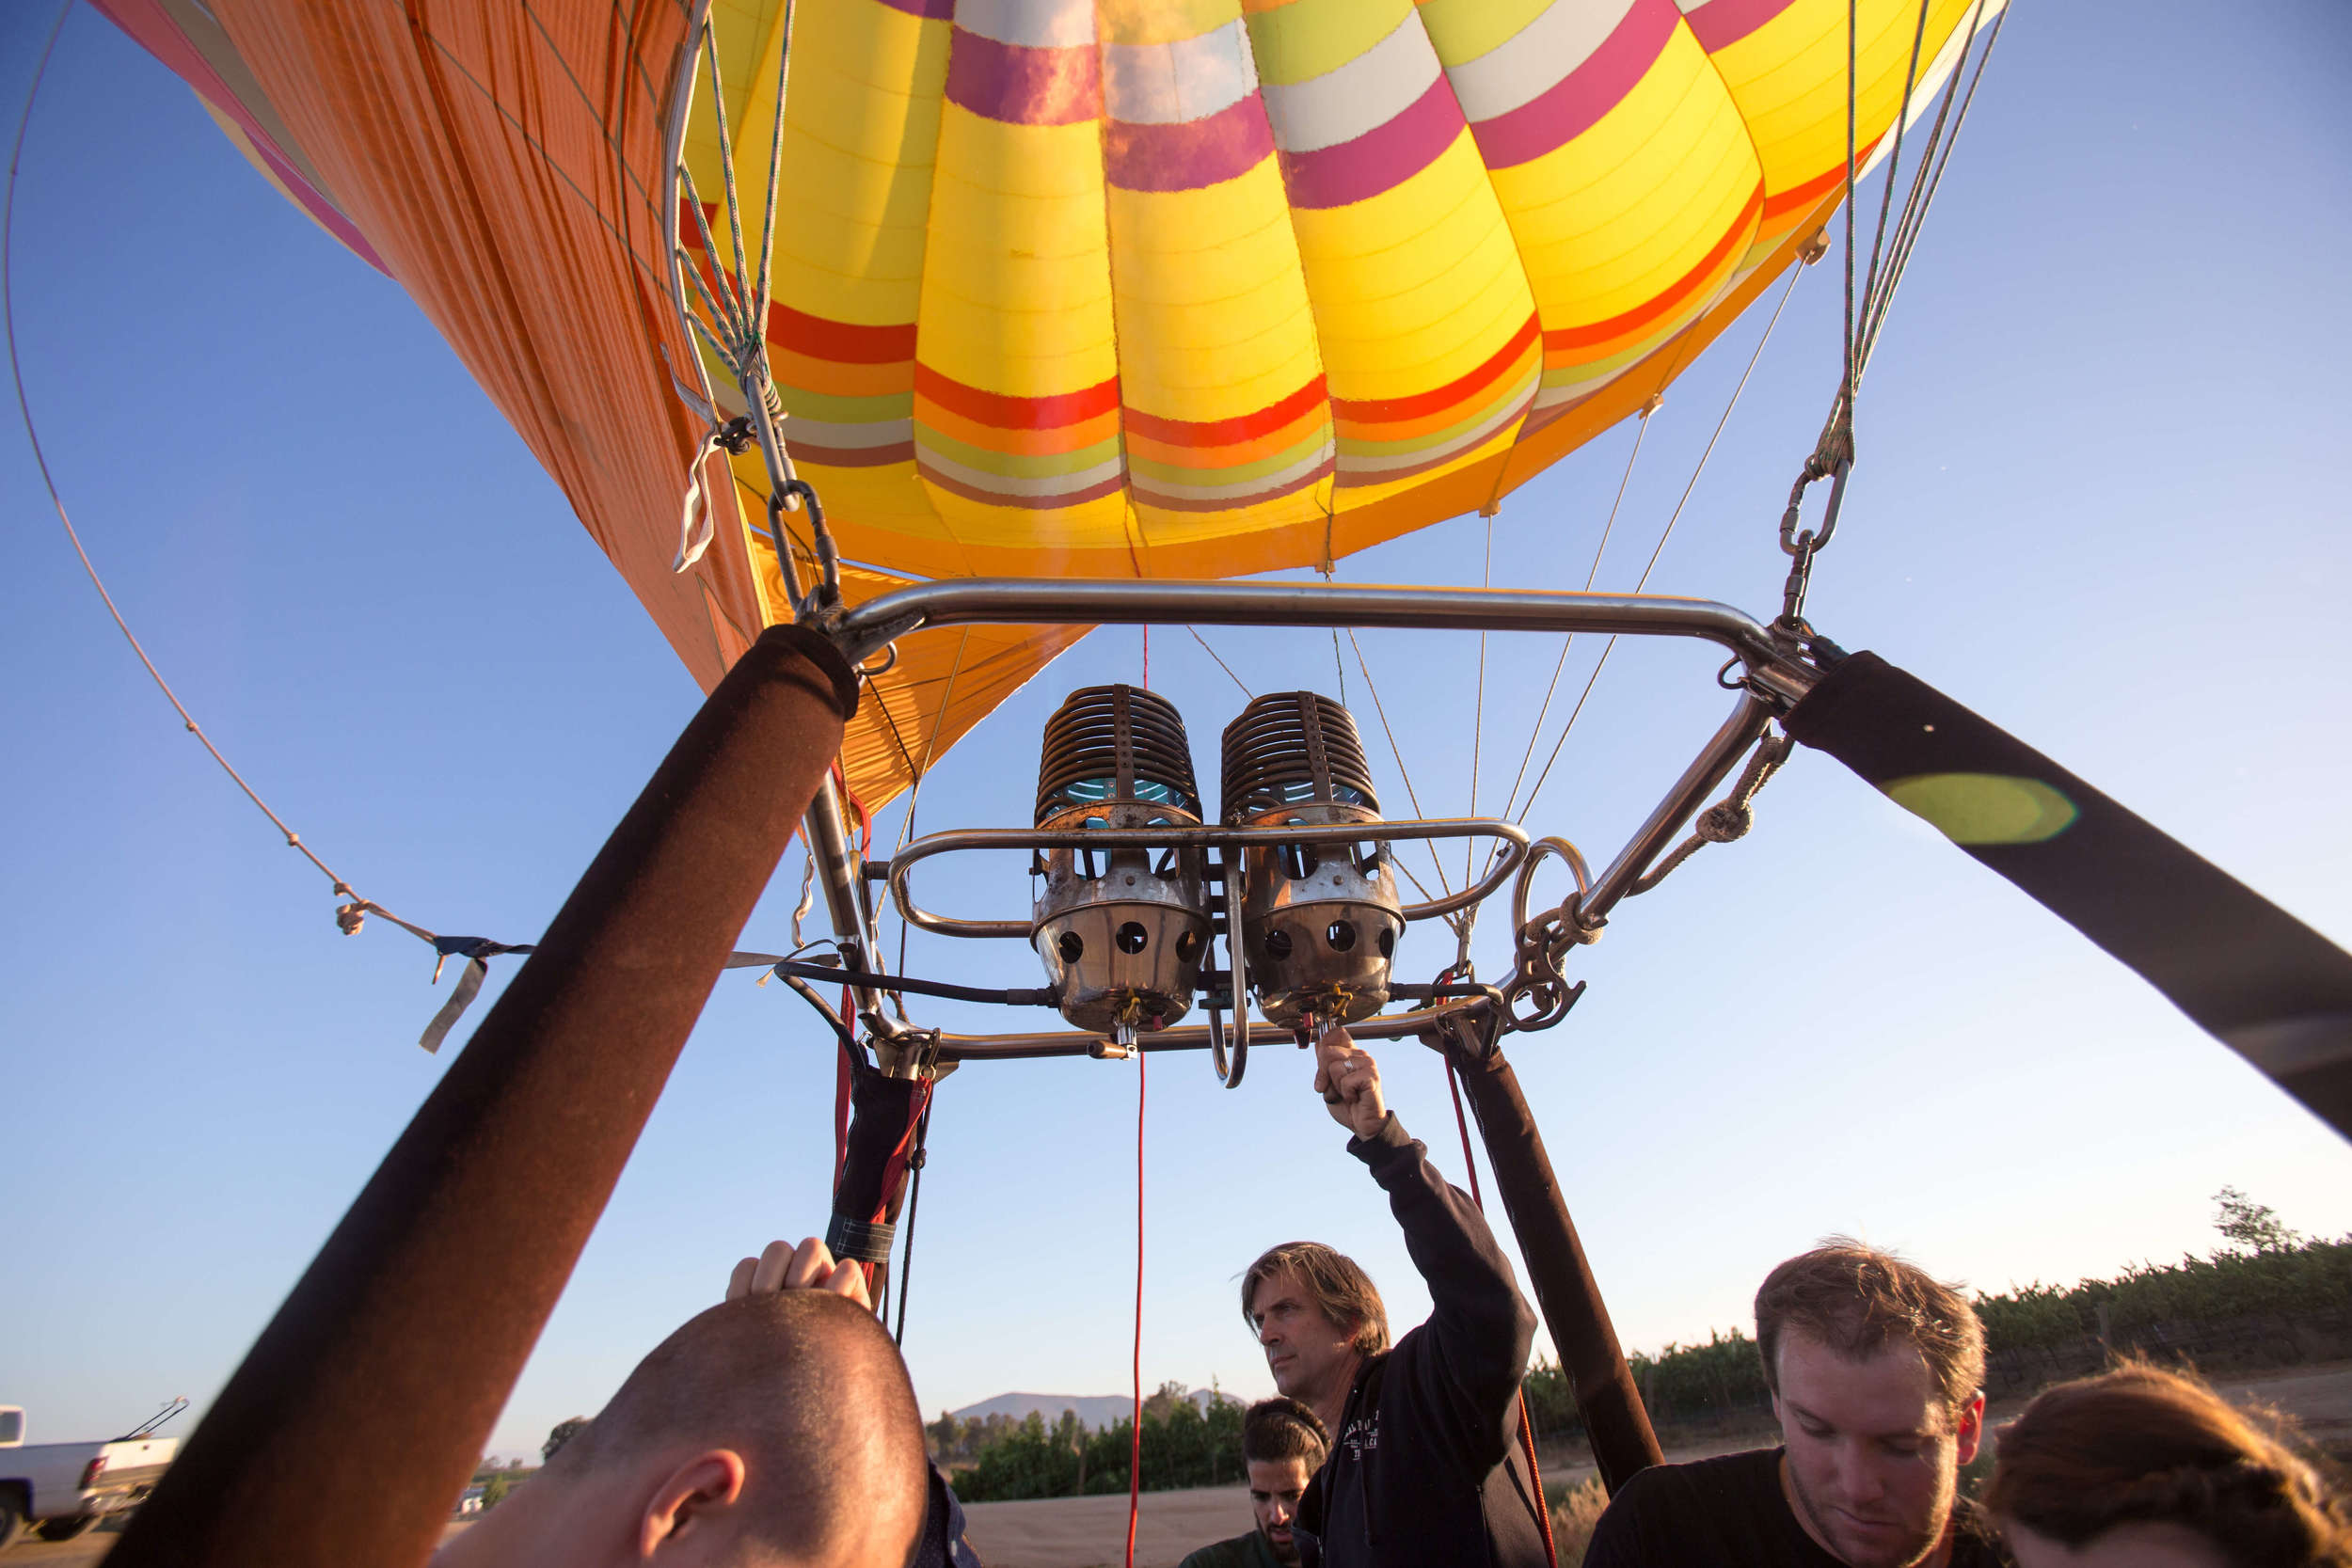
<point x="803" y="1386"/>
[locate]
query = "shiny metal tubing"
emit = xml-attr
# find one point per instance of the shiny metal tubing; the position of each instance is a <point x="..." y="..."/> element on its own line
<point x="1203" y="837"/>
<point x="837" y="874"/>
<point x="673" y="153"/>
<point x="1698" y="780"/>
<point x="1089" y="602"/>
<point x="1192" y="1036"/>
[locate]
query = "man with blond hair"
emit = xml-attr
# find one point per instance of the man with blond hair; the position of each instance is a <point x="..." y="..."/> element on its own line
<point x="1876" y="1371"/>
<point x="1425" y="1465"/>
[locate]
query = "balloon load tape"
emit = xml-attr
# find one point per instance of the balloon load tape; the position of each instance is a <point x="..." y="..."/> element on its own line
<point x="863" y="1241"/>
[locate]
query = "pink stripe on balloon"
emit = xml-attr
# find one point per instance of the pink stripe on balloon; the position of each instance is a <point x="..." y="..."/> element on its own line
<point x="1577" y="102"/>
<point x="153" y="30"/>
<point x="1721" y="22"/>
<point x="1381" y="159"/>
<point x="929" y="10"/>
<point x="1191" y="154"/>
<point x="1021" y="85"/>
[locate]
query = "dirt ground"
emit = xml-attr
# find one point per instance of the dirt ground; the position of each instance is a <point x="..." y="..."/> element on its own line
<point x="1088" y="1532"/>
<point x="1091" y="1532"/>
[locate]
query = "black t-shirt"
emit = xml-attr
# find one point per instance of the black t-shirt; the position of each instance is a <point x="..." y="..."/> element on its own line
<point x="1730" y="1512"/>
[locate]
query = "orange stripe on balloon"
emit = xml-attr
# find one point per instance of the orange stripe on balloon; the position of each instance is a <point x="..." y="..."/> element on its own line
<point x="1781" y="203"/>
<point x="1235" y="454"/>
<point x="1643" y="317"/>
<point x="1035" y="442"/>
<point x="1219" y="433"/>
<point x="1364" y="411"/>
<point x="1005" y="412"/>
<point x="1439" y="420"/>
<point x="836" y="378"/>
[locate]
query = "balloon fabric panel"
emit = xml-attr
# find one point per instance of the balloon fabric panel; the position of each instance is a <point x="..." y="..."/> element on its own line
<point x="1122" y="288"/>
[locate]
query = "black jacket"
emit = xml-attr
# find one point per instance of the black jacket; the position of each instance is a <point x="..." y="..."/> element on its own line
<point x="1425" y="1468"/>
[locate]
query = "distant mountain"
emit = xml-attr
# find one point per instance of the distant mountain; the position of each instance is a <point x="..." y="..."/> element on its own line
<point x="1094" y="1410"/>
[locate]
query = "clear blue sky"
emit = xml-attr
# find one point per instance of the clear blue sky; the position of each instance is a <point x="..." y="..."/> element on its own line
<point x="2101" y="498"/>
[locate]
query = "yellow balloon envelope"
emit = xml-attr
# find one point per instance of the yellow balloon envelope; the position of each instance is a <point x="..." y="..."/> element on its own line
<point x="1113" y="288"/>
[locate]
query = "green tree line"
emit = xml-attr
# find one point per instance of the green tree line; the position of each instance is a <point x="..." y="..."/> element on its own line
<point x="2244" y="1300"/>
<point x="1184" y="1444"/>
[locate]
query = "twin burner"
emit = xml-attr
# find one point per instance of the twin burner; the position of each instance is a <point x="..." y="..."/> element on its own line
<point x="1125" y="932"/>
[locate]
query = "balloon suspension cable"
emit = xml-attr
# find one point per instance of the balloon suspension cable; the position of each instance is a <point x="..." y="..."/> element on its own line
<point x="350" y="915"/>
<point x="916" y="1163"/>
<point x="736" y="301"/>
<point x="1833" y="455"/>
<point x="1402" y="772"/>
<point x="1592" y="575"/>
<point x="1227" y="668"/>
<point x="1478" y="713"/>
<point x="1666" y="533"/>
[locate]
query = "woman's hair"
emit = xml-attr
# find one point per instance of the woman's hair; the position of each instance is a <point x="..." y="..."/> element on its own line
<point x="2143" y="1443"/>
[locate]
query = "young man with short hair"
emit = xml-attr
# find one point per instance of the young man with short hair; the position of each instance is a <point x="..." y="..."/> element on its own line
<point x="1425" y="1465"/>
<point x="1283" y="1444"/>
<point x="1876" y="1371"/>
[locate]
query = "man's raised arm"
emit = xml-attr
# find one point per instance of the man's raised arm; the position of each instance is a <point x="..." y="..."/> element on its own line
<point x="1480" y="1328"/>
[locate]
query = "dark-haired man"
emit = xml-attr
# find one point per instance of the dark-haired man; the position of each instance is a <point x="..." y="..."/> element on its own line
<point x="1424" y="1464"/>
<point x="1875" y="1369"/>
<point x="1283" y="1445"/>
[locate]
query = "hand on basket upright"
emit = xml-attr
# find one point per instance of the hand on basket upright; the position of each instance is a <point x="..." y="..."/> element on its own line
<point x="806" y="1267"/>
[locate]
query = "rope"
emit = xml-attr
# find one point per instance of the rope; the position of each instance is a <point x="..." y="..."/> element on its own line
<point x="914" y="1207"/>
<point x="1794" y="274"/>
<point x="1833" y="455"/>
<point x="1461" y="1124"/>
<point x="1394" y="751"/>
<point x="1859" y="352"/>
<point x="775" y="166"/>
<point x="1478" y="711"/>
<point x="1229" y="669"/>
<point x="915" y="791"/>
<point x="1134" y="1440"/>
<point x="349" y="916"/>
<point x="726" y="178"/>
<point x="1729" y="818"/>
<point x="1940" y="150"/>
<point x="1852" y="23"/>
<point x="1592" y="575"/>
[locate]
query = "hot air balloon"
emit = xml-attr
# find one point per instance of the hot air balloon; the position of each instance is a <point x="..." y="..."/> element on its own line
<point x="885" y="346"/>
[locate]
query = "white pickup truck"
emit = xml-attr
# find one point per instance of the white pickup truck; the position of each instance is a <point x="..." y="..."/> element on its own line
<point x="62" y="1489"/>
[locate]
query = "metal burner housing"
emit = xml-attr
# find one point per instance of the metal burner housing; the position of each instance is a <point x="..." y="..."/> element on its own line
<point x="1123" y="932"/>
<point x="1320" y="923"/>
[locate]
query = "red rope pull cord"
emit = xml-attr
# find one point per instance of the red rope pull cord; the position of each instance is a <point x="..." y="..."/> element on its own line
<point x="1527" y="1428"/>
<point x="1134" y="1445"/>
